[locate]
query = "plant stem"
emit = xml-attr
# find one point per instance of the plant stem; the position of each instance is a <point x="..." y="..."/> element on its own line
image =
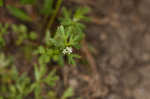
<point x="51" y="21"/>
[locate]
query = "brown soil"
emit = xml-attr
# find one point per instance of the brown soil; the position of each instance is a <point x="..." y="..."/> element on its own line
<point x="120" y="35"/>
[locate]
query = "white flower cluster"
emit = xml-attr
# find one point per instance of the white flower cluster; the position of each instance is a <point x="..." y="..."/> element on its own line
<point x="67" y="50"/>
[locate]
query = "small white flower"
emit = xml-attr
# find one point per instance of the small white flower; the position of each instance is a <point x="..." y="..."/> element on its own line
<point x="67" y="50"/>
<point x="64" y="51"/>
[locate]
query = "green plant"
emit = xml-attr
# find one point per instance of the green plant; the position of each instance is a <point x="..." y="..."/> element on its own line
<point x="67" y="37"/>
<point x="16" y="86"/>
<point x="41" y="78"/>
<point x="59" y="46"/>
<point x="22" y="33"/>
<point x="45" y="8"/>
<point x="21" y="86"/>
<point x="12" y="85"/>
<point x="67" y="94"/>
<point x="3" y="31"/>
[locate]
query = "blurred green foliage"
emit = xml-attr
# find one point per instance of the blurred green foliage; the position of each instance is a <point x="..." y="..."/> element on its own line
<point x="19" y="86"/>
<point x="3" y="31"/>
<point x="19" y="13"/>
<point x="23" y="33"/>
<point x="1" y="3"/>
<point x="47" y="7"/>
<point x="59" y="47"/>
<point x="27" y="1"/>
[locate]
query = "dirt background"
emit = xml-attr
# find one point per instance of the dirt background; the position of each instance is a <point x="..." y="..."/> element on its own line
<point x="120" y="35"/>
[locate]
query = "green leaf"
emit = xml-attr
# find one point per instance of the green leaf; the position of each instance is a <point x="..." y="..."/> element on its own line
<point x="61" y="31"/>
<point x="19" y="13"/>
<point x="33" y="36"/>
<point x="79" y="14"/>
<point x="51" y="78"/>
<point x="44" y="59"/>
<point x="14" y="28"/>
<point x="66" y="13"/>
<point x="47" y="37"/>
<point x="47" y="7"/>
<point x="68" y="93"/>
<point x="1" y="97"/>
<point x="36" y="73"/>
<point x="22" y="28"/>
<point x="71" y="58"/>
<point x="13" y="89"/>
<point x="61" y="60"/>
<point x="1" y="3"/>
<point x="27" y="1"/>
<point x="52" y="95"/>
<point x="41" y="50"/>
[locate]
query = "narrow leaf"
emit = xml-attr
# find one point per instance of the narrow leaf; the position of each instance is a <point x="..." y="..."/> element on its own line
<point x="19" y="13"/>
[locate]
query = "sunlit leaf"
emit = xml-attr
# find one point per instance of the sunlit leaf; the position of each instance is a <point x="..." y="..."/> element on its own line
<point x="68" y="93"/>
